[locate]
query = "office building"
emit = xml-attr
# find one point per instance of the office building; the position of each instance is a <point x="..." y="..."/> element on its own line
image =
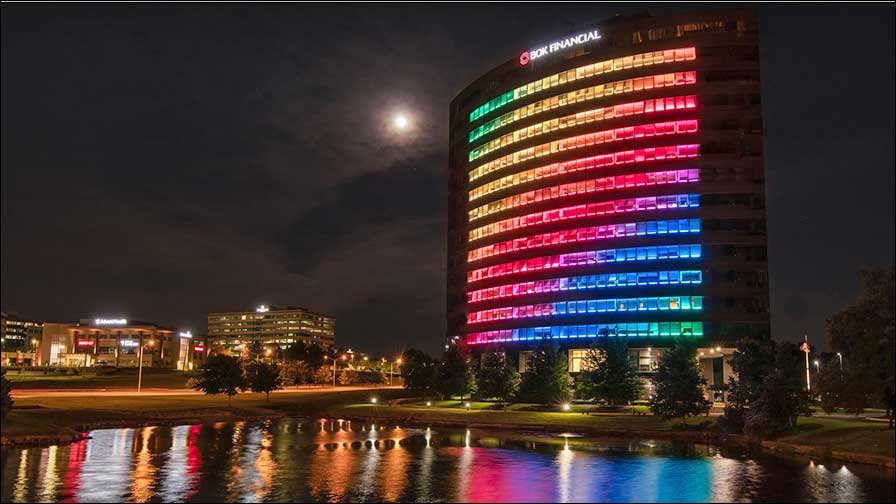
<point x="610" y="183"/>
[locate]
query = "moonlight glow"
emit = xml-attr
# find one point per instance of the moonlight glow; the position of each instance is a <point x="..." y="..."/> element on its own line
<point x="400" y="122"/>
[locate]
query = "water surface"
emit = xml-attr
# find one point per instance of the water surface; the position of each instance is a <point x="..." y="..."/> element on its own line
<point x="293" y="460"/>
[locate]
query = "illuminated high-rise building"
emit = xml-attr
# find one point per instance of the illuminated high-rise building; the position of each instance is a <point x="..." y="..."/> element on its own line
<point x="610" y="183"/>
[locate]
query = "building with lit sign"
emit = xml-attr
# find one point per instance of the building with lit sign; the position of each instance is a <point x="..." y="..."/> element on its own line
<point x="613" y="187"/>
<point x="109" y="342"/>
<point x="19" y="339"/>
<point x="272" y="326"/>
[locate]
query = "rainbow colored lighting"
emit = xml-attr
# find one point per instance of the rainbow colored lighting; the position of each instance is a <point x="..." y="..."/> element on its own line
<point x="586" y="94"/>
<point x="587" y="140"/>
<point x="584" y="234"/>
<point x="619" y="206"/>
<point x="588" y="282"/>
<point x="586" y="117"/>
<point x="587" y="258"/>
<point x="623" y="329"/>
<point x="583" y="72"/>
<point x="649" y="154"/>
<point x="586" y="186"/>
<point x="588" y="306"/>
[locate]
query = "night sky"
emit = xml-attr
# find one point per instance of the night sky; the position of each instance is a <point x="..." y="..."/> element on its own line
<point x="163" y="161"/>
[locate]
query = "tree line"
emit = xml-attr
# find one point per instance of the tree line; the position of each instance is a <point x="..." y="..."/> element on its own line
<point x="766" y="394"/>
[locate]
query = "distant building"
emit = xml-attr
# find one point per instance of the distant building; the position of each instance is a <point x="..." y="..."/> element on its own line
<point x="19" y="339"/>
<point x="270" y="326"/>
<point x="109" y="342"/>
<point x="192" y="350"/>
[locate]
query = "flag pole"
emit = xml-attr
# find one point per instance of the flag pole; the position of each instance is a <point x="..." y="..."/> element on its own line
<point x="805" y="348"/>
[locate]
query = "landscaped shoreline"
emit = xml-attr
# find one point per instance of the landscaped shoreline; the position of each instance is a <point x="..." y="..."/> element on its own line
<point x="53" y="420"/>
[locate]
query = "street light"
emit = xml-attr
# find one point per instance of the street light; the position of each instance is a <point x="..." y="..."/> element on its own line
<point x="840" y="356"/>
<point x="140" y="365"/>
<point x="817" y="365"/>
<point x="392" y="369"/>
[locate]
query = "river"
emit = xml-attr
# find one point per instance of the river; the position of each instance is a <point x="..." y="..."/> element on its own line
<point x="290" y="460"/>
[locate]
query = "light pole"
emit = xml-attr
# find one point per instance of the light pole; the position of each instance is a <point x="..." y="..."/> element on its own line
<point x="817" y="366"/>
<point x="140" y="366"/>
<point x="840" y="356"/>
<point x="392" y="369"/>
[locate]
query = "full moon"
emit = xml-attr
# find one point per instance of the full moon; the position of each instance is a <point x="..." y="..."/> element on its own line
<point x="400" y="122"/>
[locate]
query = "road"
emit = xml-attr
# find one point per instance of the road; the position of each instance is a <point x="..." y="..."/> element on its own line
<point x="113" y="392"/>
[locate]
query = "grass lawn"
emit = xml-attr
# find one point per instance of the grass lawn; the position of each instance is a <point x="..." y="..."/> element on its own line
<point x="60" y="415"/>
<point x="152" y="378"/>
<point x="844" y="435"/>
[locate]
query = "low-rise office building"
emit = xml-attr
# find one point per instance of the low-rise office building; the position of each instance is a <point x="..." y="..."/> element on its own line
<point x="271" y="326"/>
<point x="19" y="339"/>
<point x="109" y="342"/>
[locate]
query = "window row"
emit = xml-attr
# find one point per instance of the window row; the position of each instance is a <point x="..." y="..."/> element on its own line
<point x="588" y="282"/>
<point x="621" y="329"/>
<point x="624" y="205"/>
<point x="587" y="258"/>
<point x="589" y="306"/>
<point x="585" y="187"/>
<point x="586" y="117"/>
<point x="668" y="152"/>
<point x="586" y="140"/>
<point x="585" y="234"/>
<point x="584" y="72"/>
<point x="585" y="94"/>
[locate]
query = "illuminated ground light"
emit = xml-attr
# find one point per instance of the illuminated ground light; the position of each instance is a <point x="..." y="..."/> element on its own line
<point x="373" y="400"/>
<point x="401" y="122"/>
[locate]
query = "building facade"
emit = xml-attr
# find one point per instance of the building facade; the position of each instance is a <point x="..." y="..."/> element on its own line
<point x="270" y="326"/>
<point x="20" y="338"/>
<point x="611" y="184"/>
<point x="109" y="342"/>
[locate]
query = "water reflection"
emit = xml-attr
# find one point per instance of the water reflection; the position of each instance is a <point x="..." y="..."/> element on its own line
<point x="334" y="460"/>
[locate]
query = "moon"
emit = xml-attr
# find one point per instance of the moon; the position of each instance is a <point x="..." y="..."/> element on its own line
<point x="401" y="122"/>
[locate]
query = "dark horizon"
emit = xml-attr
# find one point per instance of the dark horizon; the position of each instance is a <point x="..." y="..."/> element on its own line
<point x="163" y="162"/>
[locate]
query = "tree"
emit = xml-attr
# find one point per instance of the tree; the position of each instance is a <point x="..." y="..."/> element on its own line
<point x="347" y="377"/>
<point x="295" y="373"/>
<point x="751" y="365"/>
<point x="418" y="371"/>
<point x="455" y="375"/>
<point x="315" y="356"/>
<point x="323" y="376"/>
<point x="497" y="377"/>
<point x="262" y="377"/>
<point x="864" y="334"/>
<point x="679" y="385"/>
<point x="782" y="398"/>
<point x="5" y="394"/>
<point x="609" y="373"/>
<point x="831" y="388"/>
<point x="221" y="374"/>
<point x="298" y="351"/>
<point x="547" y="379"/>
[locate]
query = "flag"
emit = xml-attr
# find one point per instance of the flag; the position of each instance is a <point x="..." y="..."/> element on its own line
<point x="804" y="346"/>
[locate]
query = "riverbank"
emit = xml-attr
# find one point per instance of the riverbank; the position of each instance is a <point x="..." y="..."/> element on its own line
<point x="63" y="418"/>
<point x="854" y="441"/>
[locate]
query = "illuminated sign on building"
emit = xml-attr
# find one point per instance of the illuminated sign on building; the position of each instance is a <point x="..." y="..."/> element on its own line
<point x="262" y="309"/>
<point x="198" y="348"/>
<point x="129" y="343"/>
<point x="110" y="321"/>
<point x="85" y="342"/>
<point x="186" y="334"/>
<point x="527" y="56"/>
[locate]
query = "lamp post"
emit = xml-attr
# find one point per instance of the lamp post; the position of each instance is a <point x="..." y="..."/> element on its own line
<point x="817" y="366"/>
<point x="840" y="356"/>
<point x="140" y="366"/>
<point x="392" y="369"/>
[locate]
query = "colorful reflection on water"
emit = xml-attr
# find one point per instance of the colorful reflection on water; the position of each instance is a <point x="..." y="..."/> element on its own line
<point x="337" y="460"/>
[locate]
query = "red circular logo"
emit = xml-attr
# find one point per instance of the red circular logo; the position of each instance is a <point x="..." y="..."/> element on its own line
<point x="524" y="57"/>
